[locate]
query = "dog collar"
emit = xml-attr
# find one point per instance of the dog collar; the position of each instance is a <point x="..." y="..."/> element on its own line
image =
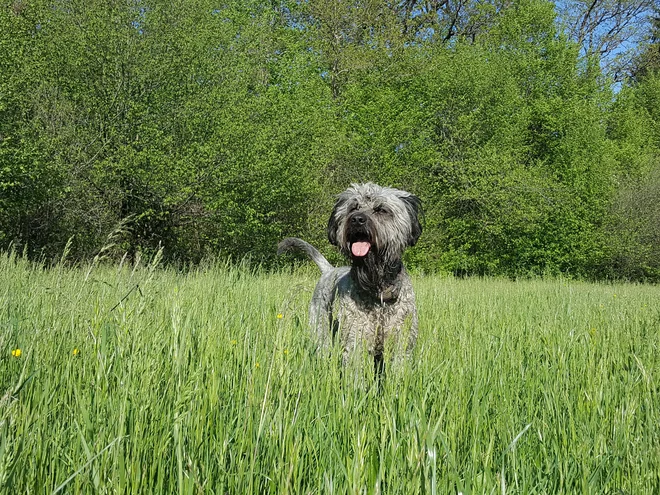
<point x="388" y="295"/>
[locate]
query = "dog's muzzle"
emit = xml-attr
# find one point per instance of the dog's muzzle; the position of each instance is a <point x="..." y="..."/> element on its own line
<point x="359" y="239"/>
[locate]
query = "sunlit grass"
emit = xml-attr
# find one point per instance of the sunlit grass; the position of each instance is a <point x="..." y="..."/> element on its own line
<point x="150" y="381"/>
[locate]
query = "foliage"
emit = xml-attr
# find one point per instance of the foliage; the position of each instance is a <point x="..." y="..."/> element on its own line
<point x="609" y="31"/>
<point x="216" y="131"/>
<point x="635" y="228"/>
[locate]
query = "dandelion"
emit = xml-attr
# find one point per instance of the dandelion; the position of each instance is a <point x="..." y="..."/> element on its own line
<point x="280" y="316"/>
<point x="286" y="352"/>
<point x="256" y="365"/>
<point x="16" y="352"/>
<point x="234" y="342"/>
<point x="76" y="351"/>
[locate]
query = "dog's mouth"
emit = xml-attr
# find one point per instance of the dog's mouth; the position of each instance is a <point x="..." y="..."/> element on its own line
<point x="359" y="236"/>
<point x="360" y="248"/>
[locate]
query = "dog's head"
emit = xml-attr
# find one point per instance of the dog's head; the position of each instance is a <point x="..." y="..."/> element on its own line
<point x="373" y="221"/>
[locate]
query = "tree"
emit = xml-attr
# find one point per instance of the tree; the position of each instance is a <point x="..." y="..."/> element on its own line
<point x="608" y="31"/>
<point x="217" y="129"/>
<point x="634" y="229"/>
<point x="448" y="20"/>
<point x="29" y="181"/>
<point x="648" y="60"/>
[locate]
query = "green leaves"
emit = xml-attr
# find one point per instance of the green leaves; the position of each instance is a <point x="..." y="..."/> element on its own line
<point x="211" y="129"/>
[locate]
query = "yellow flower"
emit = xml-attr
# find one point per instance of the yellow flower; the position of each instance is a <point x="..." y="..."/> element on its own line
<point x="234" y="342"/>
<point x="256" y="365"/>
<point x="16" y="353"/>
<point x="280" y="316"/>
<point x="76" y="351"/>
<point x="286" y="352"/>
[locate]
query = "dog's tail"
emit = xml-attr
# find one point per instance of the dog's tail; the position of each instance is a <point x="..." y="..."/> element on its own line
<point x="295" y="243"/>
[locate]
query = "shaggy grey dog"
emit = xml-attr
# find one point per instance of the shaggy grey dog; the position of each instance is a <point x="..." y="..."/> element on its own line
<point x="370" y="304"/>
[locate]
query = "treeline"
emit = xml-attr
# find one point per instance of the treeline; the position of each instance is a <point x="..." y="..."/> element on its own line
<point x="216" y="128"/>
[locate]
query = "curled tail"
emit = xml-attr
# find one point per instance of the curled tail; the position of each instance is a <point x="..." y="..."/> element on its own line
<point x="295" y="243"/>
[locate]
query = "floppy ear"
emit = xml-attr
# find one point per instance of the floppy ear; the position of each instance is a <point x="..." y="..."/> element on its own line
<point x="333" y="224"/>
<point x="414" y="207"/>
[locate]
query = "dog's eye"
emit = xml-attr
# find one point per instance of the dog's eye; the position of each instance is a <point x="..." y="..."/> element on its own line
<point x="380" y="209"/>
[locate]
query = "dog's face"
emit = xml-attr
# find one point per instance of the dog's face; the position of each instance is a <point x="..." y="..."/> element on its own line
<point x="373" y="221"/>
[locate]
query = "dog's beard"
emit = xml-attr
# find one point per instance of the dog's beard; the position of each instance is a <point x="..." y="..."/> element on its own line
<point x="376" y="276"/>
<point x="374" y="270"/>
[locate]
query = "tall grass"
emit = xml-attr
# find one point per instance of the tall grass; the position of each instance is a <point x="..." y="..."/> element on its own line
<point x="144" y="380"/>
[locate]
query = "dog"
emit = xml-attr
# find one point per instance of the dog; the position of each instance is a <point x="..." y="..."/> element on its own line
<point x="370" y="304"/>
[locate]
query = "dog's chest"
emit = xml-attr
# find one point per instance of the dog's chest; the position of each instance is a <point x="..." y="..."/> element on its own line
<point x="378" y="313"/>
<point x="374" y="321"/>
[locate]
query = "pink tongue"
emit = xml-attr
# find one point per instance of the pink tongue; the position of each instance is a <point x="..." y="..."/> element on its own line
<point x="360" y="248"/>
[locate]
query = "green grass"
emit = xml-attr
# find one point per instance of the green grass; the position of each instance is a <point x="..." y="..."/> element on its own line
<point x="190" y="383"/>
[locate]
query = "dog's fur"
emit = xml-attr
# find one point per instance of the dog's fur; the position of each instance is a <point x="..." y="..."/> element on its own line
<point x="372" y="302"/>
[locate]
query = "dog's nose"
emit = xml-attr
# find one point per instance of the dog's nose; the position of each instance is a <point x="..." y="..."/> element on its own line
<point x="359" y="219"/>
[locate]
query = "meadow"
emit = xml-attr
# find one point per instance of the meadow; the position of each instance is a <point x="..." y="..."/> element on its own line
<point x="124" y="379"/>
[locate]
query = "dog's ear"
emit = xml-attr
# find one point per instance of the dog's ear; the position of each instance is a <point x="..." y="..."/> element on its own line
<point x="333" y="224"/>
<point x="414" y="207"/>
